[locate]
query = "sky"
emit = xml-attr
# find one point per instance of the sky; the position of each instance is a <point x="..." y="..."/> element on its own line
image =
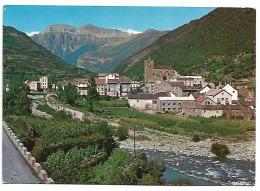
<point x="34" y="19"/>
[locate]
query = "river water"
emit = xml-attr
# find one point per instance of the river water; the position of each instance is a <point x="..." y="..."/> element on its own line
<point x="203" y="171"/>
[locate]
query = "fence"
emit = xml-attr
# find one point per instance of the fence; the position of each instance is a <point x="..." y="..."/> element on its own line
<point x="42" y="174"/>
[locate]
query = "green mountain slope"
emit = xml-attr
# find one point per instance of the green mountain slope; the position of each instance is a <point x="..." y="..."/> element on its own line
<point x="218" y="44"/>
<point x="23" y="57"/>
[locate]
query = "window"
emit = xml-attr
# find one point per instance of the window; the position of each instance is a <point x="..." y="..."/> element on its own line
<point x="173" y="103"/>
<point x="163" y="103"/>
<point x="169" y="109"/>
<point x="222" y="99"/>
<point x="233" y="91"/>
<point x="169" y="103"/>
<point x="137" y="100"/>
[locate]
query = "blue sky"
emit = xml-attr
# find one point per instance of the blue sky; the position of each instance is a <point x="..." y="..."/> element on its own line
<point x="36" y="18"/>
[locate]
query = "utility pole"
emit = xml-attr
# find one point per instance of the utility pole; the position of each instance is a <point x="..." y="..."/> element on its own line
<point x="134" y="142"/>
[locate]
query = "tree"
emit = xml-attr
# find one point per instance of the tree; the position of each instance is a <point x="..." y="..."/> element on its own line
<point x="220" y="150"/>
<point x="15" y="101"/>
<point x="92" y="90"/>
<point x="68" y="95"/>
<point x="196" y="138"/>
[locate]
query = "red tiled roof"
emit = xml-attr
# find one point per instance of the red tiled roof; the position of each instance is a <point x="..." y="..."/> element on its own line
<point x="102" y="74"/>
<point x="213" y="92"/>
<point x="201" y="98"/>
<point x="99" y="81"/>
<point x="247" y="103"/>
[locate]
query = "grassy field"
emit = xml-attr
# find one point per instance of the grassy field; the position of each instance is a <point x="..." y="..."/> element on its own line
<point x="221" y="127"/>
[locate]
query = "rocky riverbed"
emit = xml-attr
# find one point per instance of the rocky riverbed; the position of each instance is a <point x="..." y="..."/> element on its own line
<point x="195" y="159"/>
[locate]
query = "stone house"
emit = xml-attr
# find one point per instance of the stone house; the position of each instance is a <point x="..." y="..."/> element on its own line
<point x="231" y="90"/>
<point x="173" y="103"/>
<point x="144" y="101"/>
<point x="220" y="96"/>
<point x="197" y="109"/>
<point x="191" y="109"/>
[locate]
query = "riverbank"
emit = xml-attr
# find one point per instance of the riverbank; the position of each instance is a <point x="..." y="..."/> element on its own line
<point x="244" y="150"/>
<point x="195" y="159"/>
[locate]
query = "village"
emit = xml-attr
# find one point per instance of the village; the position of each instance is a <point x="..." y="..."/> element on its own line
<point x="164" y="90"/>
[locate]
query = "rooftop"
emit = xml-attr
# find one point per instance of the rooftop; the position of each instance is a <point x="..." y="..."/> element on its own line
<point x="99" y="81"/>
<point x="164" y="67"/>
<point x="146" y="95"/>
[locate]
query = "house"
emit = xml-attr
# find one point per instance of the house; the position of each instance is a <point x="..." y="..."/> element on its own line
<point x="204" y="89"/>
<point x="185" y="80"/>
<point x="173" y="103"/>
<point x="134" y="85"/>
<point x="230" y="111"/>
<point x="108" y="76"/>
<point x="125" y="86"/>
<point x="44" y="83"/>
<point x="191" y="109"/>
<point x="220" y="96"/>
<point x="82" y="86"/>
<point x="231" y="90"/>
<point x="113" y="87"/>
<point x="34" y="85"/>
<point x="144" y="101"/>
<point x="204" y="100"/>
<point x="101" y="86"/>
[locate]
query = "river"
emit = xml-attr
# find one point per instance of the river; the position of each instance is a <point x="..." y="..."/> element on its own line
<point x="202" y="170"/>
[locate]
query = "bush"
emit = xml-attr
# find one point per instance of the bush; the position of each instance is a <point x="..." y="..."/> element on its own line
<point x="122" y="133"/>
<point x="196" y="138"/>
<point x="220" y="150"/>
<point x="183" y="182"/>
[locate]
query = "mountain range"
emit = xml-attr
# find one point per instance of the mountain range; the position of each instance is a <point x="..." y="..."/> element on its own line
<point x="218" y="44"/>
<point x="23" y="57"/>
<point x="96" y="49"/>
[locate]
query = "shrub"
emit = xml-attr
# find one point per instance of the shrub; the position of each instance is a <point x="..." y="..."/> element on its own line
<point x="220" y="150"/>
<point x="196" y="138"/>
<point x="183" y="182"/>
<point x="122" y="133"/>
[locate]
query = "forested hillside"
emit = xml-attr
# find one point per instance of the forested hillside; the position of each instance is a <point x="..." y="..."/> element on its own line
<point x="25" y="58"/>
<point x="219" y="44"/>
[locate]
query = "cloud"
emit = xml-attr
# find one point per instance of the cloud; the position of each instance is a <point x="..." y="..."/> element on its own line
<point x="131" y="31"/>
<point x="32" y="33"/>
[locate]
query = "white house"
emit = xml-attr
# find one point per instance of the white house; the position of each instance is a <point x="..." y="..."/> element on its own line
<point x="231" y="90"/>
<point x="204" y="89"/>
<point x="220" y="96"/>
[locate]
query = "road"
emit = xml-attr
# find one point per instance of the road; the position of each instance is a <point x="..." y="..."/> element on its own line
<point x="15" y="170"/>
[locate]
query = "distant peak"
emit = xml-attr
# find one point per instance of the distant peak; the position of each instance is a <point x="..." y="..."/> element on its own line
<point x="59" y="28"/>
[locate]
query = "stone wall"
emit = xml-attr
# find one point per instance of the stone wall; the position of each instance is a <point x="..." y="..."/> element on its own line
<point x="42" y="174"/>
<point x="75" y="114"/>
